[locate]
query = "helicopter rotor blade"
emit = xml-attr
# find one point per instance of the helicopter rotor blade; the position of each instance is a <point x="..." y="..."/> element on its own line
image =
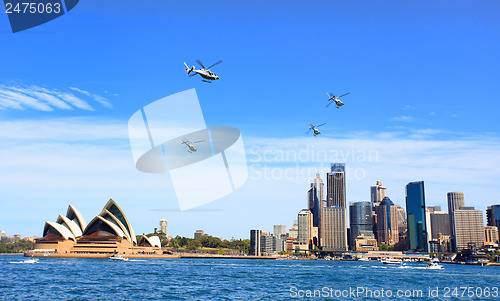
<point x="201" y="64"/>
<point x="343" y="95"/>
<point x="217" y="63"/>
<point x="320" y="125"/>
<point x="193" y="74"/>
<point x="308" y="131"/>
<point x="197" y="141"/>
<point x="330" y="103"/>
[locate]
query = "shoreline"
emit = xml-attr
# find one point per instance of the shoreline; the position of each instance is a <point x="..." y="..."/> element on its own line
<point x="145" y="256"/>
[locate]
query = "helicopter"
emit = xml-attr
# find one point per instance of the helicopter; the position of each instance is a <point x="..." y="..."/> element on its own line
<point x="190" y="145"/>
<point x="335" y="99"/>
<point x="208" y="76"/>
<point x="315" y="129"/>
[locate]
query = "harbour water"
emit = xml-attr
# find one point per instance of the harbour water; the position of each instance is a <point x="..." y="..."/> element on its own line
<point x="240" y="279"/>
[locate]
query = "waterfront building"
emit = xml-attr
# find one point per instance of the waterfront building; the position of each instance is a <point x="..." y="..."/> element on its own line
<point x="440" y="223"/>
<point x="333" y="230"/>
<point x="108" y="233"/>
<point x="377" y="193"/>
<point x="336" y="186"/>
<point x="387" y="222"/>
<point x="416" y="217"/>
<point x="315" y="197"/>
<point x="164" y="226"/>
<point x="365" y="243"/>
<point x="468" y="228"/>
<point x="360" y="218"/>
<point x="432" y="209"/>
<point x="490" y="235"/>
<point x="455" y="201"/>
<point x="279" y="230"/>
<point x="293" y="232"/>
<point x="305" y="235"/>
<point x="493" y="215"/>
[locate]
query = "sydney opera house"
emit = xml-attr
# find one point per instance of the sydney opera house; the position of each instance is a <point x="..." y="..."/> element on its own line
<point x="108" y="233"/>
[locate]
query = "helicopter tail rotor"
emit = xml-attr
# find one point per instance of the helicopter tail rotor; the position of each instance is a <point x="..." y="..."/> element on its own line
<point x="187" y="68"/>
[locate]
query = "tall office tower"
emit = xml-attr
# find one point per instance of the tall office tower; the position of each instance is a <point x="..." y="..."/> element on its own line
<point x="415" y="212"/>
<point x="164" y="226"/>
<point x="315" y="195"/>
<point x="490" y="235"/>
<point x="255" y="238"/>
<point x="378" y="193"/>
<point x="493" y="215"/>
<point x="266" y="243"/>
<point x="305" y="219"/>
<point x="455" y="201"/>
<point x="402" y="225"/>
<point x="469" y="228"/>
<point x="279" y="230"/>
<point x="333" y="230"/>
<point x="440" y="224"/>
<point x="293" y="232"/>
<point x="335" y="183"/>
<point x="360" y="217"/>
<point x="387" y="222"/>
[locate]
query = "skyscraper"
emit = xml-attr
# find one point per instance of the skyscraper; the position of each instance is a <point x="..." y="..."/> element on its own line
<point x="336" y="186"/>
<point x="493" y="215"/>
<point x="333" y="230"/>
<point x="469" y="228"/>
<point x="315" y="196"/>
<point x="415" y="212"/>
<point x="490" y="235"/>
<point x="387" y="222"/>
<point x="377" y="193"/>
<point x="305" y="234"/>
<point x="164" y="226"/>
<point x="360" y="217"/>
<point x="402" y="225"/>
<point x="455" y="201"/>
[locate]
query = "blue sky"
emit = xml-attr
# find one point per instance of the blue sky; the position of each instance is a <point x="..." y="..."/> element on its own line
<point x="423" y="78"/>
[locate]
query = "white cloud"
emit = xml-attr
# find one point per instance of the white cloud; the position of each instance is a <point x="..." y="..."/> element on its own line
<point x="402" y="118"/>
<point x="45" y="99"/>
<point x="102" y="100"/>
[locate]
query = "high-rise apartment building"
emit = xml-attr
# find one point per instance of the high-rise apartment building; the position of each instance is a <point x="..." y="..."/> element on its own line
<point x="468" y="228"/>
<point x="293" y="232"/>
<point x="164" y="226"/>
<point x="416" y="217"/>
<point x="377" y="193"/>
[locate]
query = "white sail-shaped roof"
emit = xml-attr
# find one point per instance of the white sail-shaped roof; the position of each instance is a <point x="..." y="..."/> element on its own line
<point x="71" y="225"/>
<point x="113" y="207"/>
<point x="153" y="241"/>
<point x="109" y="216"/>
<point x="75" y="216"/>
<point x="117" y="231"/>
<point x="62" y="230"/>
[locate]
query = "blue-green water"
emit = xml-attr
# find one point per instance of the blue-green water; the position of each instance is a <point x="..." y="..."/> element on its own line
<point x="234" y="279"/>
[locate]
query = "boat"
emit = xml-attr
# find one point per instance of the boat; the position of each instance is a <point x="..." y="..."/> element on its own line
<point x="118" y="257"/>
<point x="434" y="265"/>
<point x="31" y="260"/>
<point x="362" y="258"/>
<point x="392" y="261"/>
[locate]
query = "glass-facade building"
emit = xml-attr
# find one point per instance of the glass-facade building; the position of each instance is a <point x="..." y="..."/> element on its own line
<point x="493" y="215"/>
<point x="360" y="217"/>
<point x="416" y="217"/>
